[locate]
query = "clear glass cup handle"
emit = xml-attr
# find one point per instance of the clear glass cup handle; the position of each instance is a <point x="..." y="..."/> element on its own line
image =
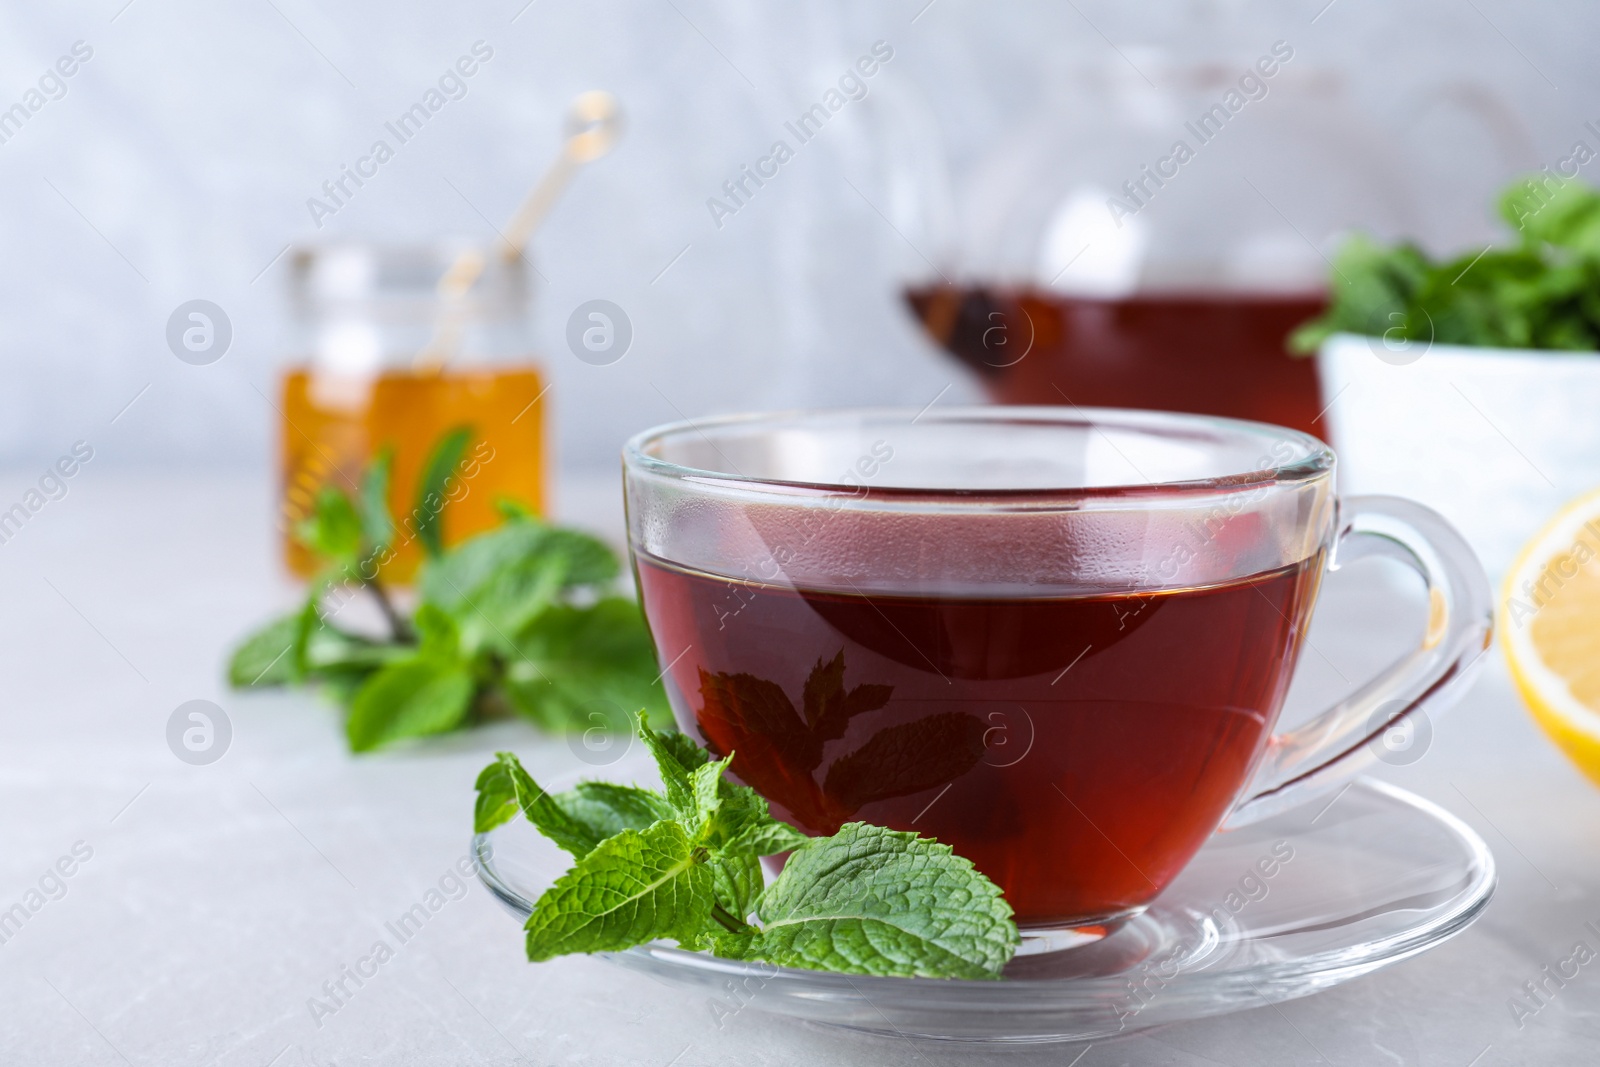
<point x="1333" y="747"/>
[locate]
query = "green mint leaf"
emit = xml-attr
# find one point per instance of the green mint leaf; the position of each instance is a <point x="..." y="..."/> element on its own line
<point x="1566" y="215"/>
<point x="265" y="658"/>
<point x="377" y="527"/>
<point x="633" y="888"/>
<point x="590" y="562"/>
<point x="768" y="838"/>
<point x="550" y="818"/>
<point x="333" y="529"/>
<point x="677" y="779"/>
<point x="433" y="488"/>
<point x="481" y="561"/>
<point x="740" y="813"/>
<point x="493" y="616"/>
<point x="310" y="624"/>
<point x="594" y="810"/>
<point x="737" y="881"/>
<point x="606" y="808"/>
<point x="875" y="901"/>
<point x="438" y="637"/>
<point x="454" y="581"/>
<point x="497" y="796"/>
<point x="743" y="945"/>
<point x="411" y="698"/>
<point x="681" y="748"/>
<point x="569" y="659"/>
<point x="513" y="510"/>
<point x="726" y="816"/>
<point x="1535" y="291"/>
<point x="742" y="823"/>
<point x="705" y="783"/>
<point x="499" y="582"/>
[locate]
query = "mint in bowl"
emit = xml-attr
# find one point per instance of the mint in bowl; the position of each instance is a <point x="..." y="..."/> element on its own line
<point x="1471" y="383"/>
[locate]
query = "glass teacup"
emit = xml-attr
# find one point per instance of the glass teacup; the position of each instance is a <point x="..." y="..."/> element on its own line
<point x="1055" y="639"/>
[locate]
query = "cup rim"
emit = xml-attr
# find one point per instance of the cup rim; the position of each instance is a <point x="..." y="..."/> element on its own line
<point x="1318" y="460"/>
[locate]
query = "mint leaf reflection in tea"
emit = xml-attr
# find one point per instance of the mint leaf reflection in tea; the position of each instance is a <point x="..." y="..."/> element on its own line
<point x="778" y="749"/>
<point x="829" y="707"/>
<point x="907" y="758"/>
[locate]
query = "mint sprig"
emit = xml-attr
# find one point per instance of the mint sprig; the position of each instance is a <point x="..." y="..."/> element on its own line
<point x="1536" y="288"/>
<point x="523" y="619"/>
<point x="683" y="864"/>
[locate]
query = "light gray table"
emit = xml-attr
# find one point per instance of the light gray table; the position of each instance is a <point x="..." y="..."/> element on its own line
<point x="219" y="899"/>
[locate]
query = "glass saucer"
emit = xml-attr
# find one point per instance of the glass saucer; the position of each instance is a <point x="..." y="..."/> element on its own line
<point x="1287" y="907"/>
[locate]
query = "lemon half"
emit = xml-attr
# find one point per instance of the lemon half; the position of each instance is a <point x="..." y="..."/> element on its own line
<point x="1550" y="629"/>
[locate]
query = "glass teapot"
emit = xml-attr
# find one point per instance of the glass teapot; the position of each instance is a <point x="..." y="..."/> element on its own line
<point x="1152" y="232"/>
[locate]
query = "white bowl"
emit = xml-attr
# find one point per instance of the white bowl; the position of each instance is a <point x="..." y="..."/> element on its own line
<point x="1494" y="439"/>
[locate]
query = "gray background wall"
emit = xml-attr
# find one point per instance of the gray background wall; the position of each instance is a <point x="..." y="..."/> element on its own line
<point x="179" y="161"/>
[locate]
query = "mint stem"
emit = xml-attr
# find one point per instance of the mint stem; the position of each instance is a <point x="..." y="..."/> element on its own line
<point x="726" y="920"/>
<point x="398" y="627"/>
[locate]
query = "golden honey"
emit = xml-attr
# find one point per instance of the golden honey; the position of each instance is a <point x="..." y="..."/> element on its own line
<point x="333" y="426"/>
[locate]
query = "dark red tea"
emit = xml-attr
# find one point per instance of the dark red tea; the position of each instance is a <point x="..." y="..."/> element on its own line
<point x="1077" y="748"/>
<point x="1213" y="353"/>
